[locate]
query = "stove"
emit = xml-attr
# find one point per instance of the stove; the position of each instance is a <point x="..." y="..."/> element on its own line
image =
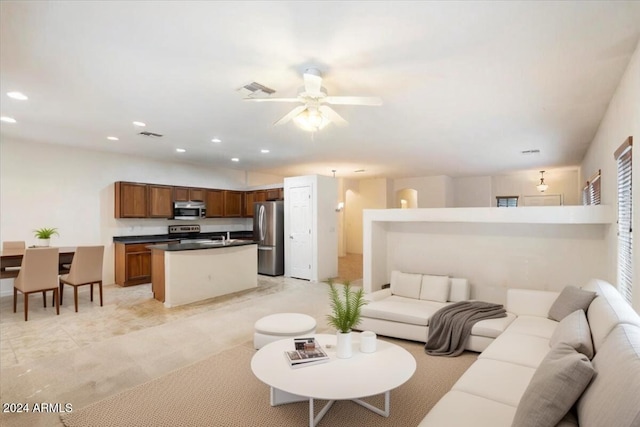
<point x="184" y="229"/>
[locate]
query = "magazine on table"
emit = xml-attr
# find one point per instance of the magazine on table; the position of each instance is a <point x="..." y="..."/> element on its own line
<point x="307" y="352"/>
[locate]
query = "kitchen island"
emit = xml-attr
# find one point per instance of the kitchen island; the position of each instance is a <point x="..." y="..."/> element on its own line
<point x="189" y="272"/>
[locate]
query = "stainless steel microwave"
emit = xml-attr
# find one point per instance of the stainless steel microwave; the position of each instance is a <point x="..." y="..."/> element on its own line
<point x="189" y="210"/>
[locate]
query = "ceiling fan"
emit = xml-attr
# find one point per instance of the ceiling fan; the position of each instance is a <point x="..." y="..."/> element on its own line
<point x="314" y="115"/>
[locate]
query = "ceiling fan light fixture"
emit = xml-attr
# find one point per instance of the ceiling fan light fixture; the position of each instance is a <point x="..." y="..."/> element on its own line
<point x="311" y="120"/>
<point x="542" y="187"/>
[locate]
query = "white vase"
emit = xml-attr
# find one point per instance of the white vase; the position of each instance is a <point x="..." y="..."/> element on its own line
<point x="43" y="242"/>
<point x="343" y="347"/>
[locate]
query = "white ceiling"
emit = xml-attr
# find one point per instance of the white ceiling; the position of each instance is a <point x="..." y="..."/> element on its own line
<point x="466" y="86"/>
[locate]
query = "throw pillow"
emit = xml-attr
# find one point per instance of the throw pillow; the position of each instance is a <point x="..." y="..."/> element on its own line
<point x="574" y="330"/>
<point x="405" y="284"/>
<point x="570" y="299"/>
<point x="554" y="388"/>
<point x="435" y="288"/>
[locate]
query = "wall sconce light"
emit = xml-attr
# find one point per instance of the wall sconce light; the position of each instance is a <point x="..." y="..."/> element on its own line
<point x="542" y="187"/>
<point x="403" y="204"/>
<point x="340" y="207"/>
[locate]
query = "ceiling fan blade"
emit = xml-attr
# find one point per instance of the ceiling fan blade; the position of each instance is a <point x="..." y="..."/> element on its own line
<point x="332" y="115"/>
<point x="290" y="115"/>
<point x="312" y="81"/>
<point x="272" y="99"/>
<point x="353" y="100"/>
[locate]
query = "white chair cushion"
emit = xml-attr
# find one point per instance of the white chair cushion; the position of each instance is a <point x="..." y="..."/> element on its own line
<point x="400" y="309"/>
<point x="285" y="324"/>
<point x="496" y="380"/>
<point x="435" y="288"/>
<point x="492" y="328"/>
<point x="406" y="284"/>
<point x="525" y="350"/>
<point x="534" y="325"/>
<point x="457" y="408"/>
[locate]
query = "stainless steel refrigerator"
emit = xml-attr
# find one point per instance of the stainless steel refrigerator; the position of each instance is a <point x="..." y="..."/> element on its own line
<point x="268" y="231"/>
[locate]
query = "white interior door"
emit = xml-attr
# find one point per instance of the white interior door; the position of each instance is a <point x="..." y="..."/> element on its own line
<point x="300" y="221"/>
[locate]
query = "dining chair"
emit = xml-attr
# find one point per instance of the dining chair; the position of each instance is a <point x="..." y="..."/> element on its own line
<point x="9" y="246"/>
<point x="38" y="273"/>
<point x="86" y="269"/>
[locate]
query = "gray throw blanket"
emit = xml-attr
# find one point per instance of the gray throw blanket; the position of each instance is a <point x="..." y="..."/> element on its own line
<point x="450" y="326"/>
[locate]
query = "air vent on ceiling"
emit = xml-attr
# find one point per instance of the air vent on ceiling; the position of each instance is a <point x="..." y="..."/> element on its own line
<point x="255" y="90"/>
<point x="535" y="151"/>
<point x="154" y="135"/>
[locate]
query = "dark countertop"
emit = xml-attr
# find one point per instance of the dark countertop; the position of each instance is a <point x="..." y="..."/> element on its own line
<point x="196" y="246"/>
<point x="176" y="237"/>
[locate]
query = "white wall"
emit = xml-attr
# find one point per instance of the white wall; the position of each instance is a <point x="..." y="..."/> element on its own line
<point x="433" y="191"/>
<point x="472" y="192"/>
<point x="44" y="185"/>
<point x="561" y="181"/>
<point x="621" y="120"/>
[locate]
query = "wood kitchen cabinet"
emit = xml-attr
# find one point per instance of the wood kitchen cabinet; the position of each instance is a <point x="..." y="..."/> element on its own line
<point x="133" y="263"/>
<point x="250" y="197"/>
<point x="186" y="194"/>
<point x="214" y="201"/>
<point x="275" y="194"/>
<point x="130" y="200"/>
<point x="233" y="203"/>
<point x="160" y="201"/>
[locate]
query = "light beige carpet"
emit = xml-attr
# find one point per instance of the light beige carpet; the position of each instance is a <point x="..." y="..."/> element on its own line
<point x="222" y="391"/>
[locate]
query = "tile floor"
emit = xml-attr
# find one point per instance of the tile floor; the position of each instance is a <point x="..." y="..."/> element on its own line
<point x="83" y="357"/>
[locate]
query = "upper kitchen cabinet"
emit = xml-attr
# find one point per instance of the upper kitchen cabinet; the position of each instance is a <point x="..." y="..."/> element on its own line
<point x="250" y="197"/>
<point x="130" y="200"/>
<point x="160" y="201"/>
<point x="275" y="194"/>
<point x="186" y="194"/>
<point x="233" y="203"/>
<point x="214" y="201"/>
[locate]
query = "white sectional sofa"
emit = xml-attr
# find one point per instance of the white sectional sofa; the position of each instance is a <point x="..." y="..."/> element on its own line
<point x="505" y="382"/>
<point x="403" y="310"/>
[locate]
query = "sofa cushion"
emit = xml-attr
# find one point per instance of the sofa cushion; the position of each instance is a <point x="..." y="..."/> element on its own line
<point x="607" y="311"/>
<point x="401" y="309"/>
<point x="556" y="385"/>
<point x="406" y="284"/>
<point x="435" y="288"/>
<point x="525" y="350"/>
<point x="612" y="397"/>
<point x="534" y="325"/>
<point x="492" y="328"/>
<point x="496" y="380"/>
<point x="570" y="299"/>
<point x="459" y="290"/>
<point x="574" y="330"/>
<point x="457" y="408"/>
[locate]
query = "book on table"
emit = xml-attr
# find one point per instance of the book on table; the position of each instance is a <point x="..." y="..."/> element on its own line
<point x="307" y="352"/>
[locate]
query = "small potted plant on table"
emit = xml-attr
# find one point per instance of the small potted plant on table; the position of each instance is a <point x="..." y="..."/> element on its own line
<point x="346" y="305"/>
<point x="44" y="235"/>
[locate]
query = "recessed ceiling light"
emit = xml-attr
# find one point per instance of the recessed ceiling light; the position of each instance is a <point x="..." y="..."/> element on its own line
<point x="235" y="159"/>
<point x="7" y="119"/>
<point x="140" y="124"/>
<point x="17" y="95"/>
<point x="181" y="150"/>
<point x="216" y="140"/>
<point x="113" y="138"/>
<point x="264" y="151"/>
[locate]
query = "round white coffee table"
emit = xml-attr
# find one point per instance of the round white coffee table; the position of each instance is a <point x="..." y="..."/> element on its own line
<point x="362" y="375"/>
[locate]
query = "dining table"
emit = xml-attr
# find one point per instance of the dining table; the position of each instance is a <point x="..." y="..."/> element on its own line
<point x="12" y="258"/>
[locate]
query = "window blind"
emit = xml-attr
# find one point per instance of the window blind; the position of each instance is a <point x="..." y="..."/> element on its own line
<point x="507" y="201"/>
<point x="591" y="191"/>
<point x="625" y="236"/>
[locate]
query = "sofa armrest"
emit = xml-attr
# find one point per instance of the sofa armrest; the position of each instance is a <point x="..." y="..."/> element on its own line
<point x="378" y="295"/>
<point x="527" y="302"/>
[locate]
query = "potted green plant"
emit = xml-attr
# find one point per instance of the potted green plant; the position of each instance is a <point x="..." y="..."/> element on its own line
<point x="346" y="306"/>
<point x="44" y="235"/>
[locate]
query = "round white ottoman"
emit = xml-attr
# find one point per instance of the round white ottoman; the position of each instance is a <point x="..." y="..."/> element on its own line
<point x="282" y="325"/>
